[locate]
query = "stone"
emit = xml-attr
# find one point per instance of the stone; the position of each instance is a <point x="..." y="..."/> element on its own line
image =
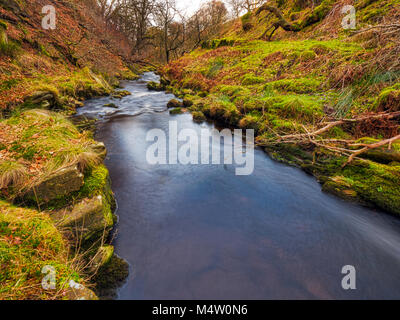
<point x="100" y="149"/>
<point x="154" y="86"/>
<point x="187" y="103"/>
<point x="60" y="183"/>
<point x="111" y="105"/>
<point x="46" y="99"/>
<point x="78" y="291"/>
<point x="174" y="103"/>
<point x="120" y="94"/>
<point x="86" y="220"/>
<point x="102" y="257"/>
<point x="176" y="111"/>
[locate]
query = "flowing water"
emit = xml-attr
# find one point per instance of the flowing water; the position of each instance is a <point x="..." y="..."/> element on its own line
<point x="201" y="232"/>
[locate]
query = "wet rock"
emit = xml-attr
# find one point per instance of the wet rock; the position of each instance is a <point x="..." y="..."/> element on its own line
<point x="174" y="103"/>
<point x="120" y="94"/>
<point x="102" y="257"/>
<point x="78" y="291"/>
<point x="111" y="105"/>
<point x="87" y="220"/>
<point x="110" y="277"/>
<point x="60" y="183"/>
<point x="100" y="149"/>
<point x="84" y="123"/>
<point x="176" y="111"/>
<point x="154" y="86"/>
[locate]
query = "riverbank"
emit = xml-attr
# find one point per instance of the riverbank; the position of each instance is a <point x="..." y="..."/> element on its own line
<point x="51" y="169"/>
<point x="193" y="231"/>
<point x="321" y="102"/>
<point x="57" y="207"/>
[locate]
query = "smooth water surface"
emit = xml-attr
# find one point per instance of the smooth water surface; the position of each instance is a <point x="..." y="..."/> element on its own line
<point x="201" y="232"/>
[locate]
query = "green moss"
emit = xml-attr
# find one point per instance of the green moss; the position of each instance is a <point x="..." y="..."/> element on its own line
<point x="300" y="85"/>
<point x="307" y="55"/>
<point x="28" y="242"/>
<point x="176" y="111"/>
<point x="198" y="116"/>
<point x="250" y="79"/>
<point x="97" y="182"/>
<point x="376" y="183"/>
<point x="389" y="99"/>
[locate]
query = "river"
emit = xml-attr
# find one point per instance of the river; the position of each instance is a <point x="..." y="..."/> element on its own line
<point x="202" y="232"/>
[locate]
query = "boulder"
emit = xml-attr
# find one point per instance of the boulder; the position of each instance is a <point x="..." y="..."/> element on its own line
<point x="60" y="183"/>
<point x="87" y="220"/>
<point x="111" y="105"/>
<point x="78" y="291"/>
<point x="100" y="149"/>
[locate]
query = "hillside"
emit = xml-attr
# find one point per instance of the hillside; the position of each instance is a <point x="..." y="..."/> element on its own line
<point x="56" y="205"/>
<point x="318" y="96"/>
<point x="33" y="59"/>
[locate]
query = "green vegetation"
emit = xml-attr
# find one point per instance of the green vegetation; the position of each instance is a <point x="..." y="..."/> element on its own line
<point x="291" y="87"/>
<point x="28" y="242"/>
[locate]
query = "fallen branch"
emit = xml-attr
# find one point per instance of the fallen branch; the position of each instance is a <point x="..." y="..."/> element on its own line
<point x="329" y="144"/>
<point x="372" y="146"/>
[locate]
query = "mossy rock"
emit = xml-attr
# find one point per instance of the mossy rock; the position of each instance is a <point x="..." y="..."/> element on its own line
<point x="176" y="111"/>
<point x="187" y="103"/>
<point x="198" y="116"/>
<point x="120" y="94"/>
<point x="102" y="257"/>
<point x="174" y="103"/>
<point x="59" y="184"/>
<point x="155" y="86"/>
<point x="85" y="221"/>
<point x="111" y="105"/>
<point x="389" y="99"/>
<point x="110" y="277"/>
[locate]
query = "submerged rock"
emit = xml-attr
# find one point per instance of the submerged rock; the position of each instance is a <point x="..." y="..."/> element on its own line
<point x="60" y="183"/>
<point x="120" y="94"/>
<point x="111" y="105"/>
